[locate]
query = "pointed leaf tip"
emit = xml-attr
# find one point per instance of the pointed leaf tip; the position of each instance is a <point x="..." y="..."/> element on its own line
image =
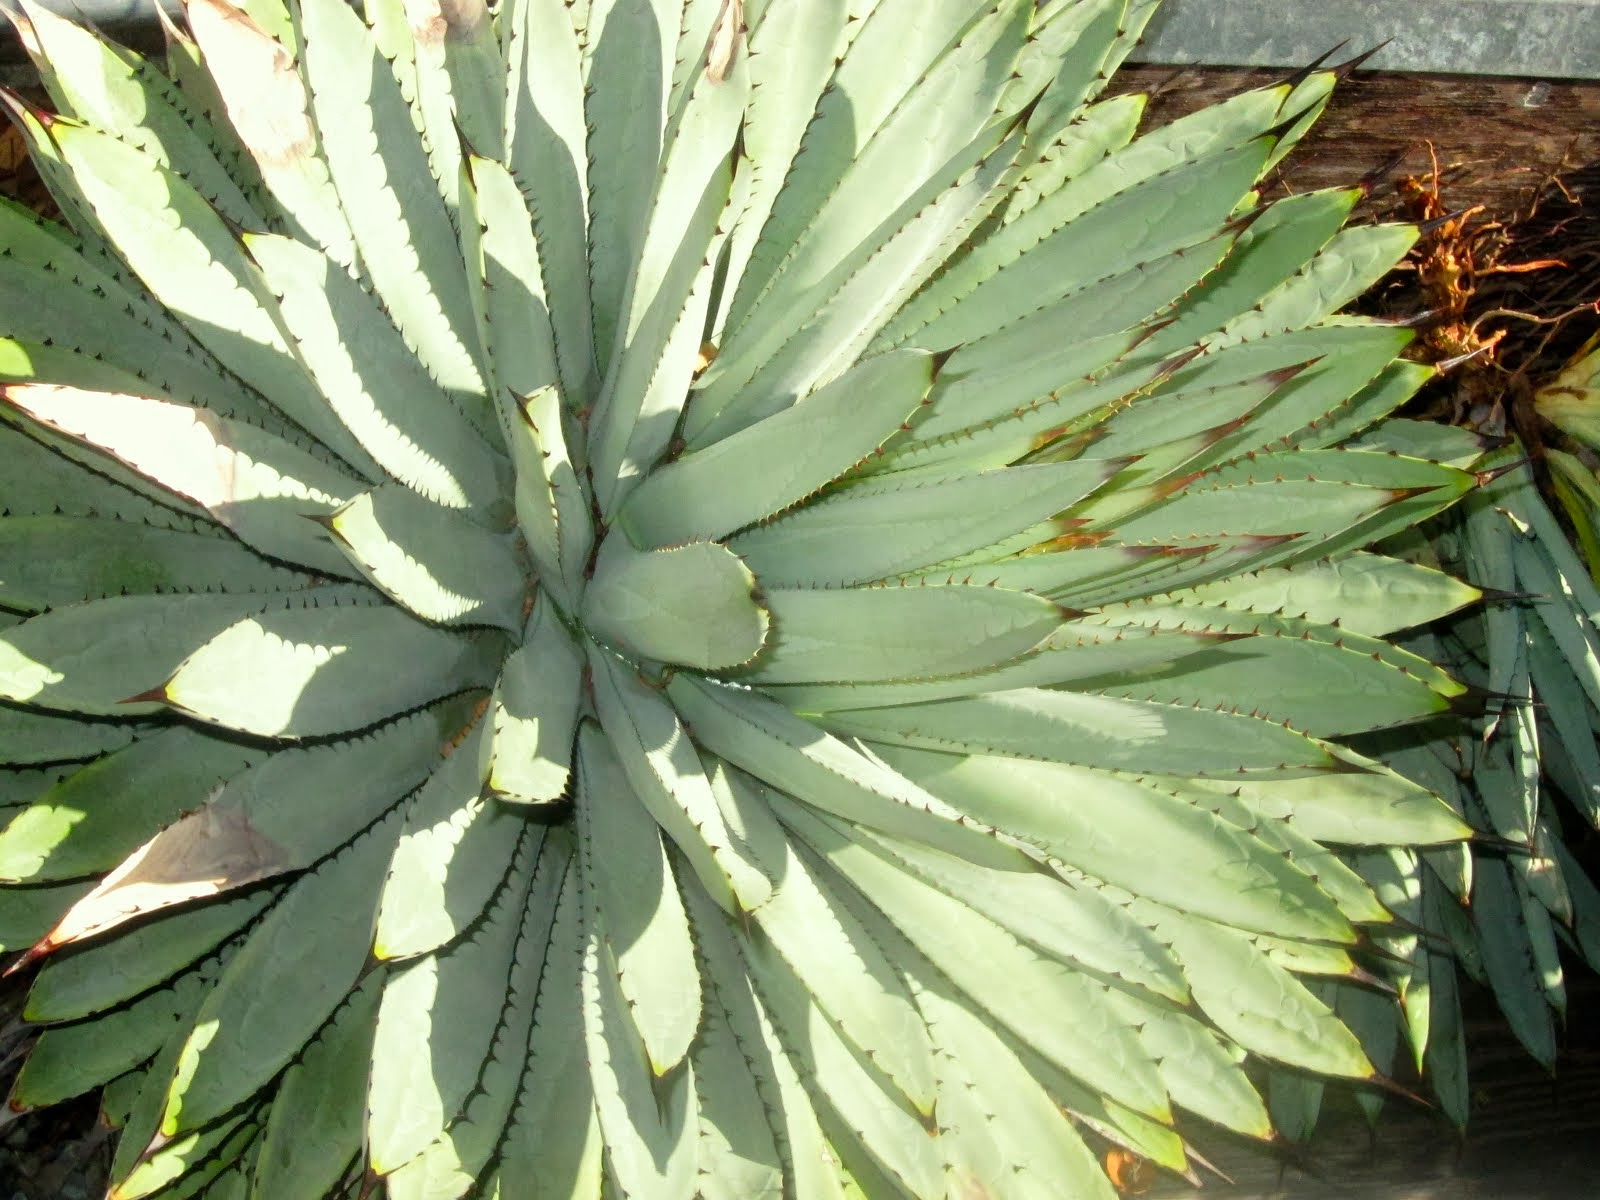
<point x="156" y="695"/>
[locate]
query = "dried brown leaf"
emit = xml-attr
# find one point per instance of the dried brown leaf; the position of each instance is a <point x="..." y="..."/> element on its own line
<point x="211" y="850"/>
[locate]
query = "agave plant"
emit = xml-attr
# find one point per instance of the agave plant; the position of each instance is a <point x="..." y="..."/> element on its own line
<point x="690" y="599"/>
<point x="1525" y="775"/>
<point x="1570" y="404"/>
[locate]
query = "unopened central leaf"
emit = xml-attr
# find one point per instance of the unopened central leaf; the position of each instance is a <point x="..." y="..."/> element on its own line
<point x="691" y="605"/>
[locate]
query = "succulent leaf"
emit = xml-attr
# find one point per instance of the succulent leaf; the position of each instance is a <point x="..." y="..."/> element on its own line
<point x="692" y="604"/>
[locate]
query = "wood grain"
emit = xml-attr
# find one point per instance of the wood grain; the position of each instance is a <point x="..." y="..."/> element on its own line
<point x="1499" y="139"/>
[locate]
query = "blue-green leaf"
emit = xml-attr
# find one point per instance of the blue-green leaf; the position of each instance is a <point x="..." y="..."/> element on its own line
<point x="536" y="712"/>
<point x="403" y="230"/>
<point x="453" y="854"/>
<point x="313" y="1131"/>
<point x="691" y="605"/>
<point x="432" y="560"/>
<point x="1120" y="828"/>
<point x="1007" y="978"/>
<point x="636" y="906"/>
<point x="266" y="1005"/>
<point x="259" y="486"/>
<point x="763" y="469"/>
<point x="89" y="821"/>
<point x="907" y="632"/>
<point x="1096" y="731"/>
<point x="881" y="528"/>
<point x="371" y="379"/>
<point x="327" y="669"/>
<point x="436" y="1026"/>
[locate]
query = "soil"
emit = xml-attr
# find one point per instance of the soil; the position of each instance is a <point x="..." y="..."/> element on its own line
<point x="62" y="1153"/>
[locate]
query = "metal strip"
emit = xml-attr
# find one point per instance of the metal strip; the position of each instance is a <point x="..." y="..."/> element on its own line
<point x="1549" y="39"/>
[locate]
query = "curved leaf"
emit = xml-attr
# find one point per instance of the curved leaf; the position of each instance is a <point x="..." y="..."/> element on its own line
<point x="763" y="469"/>
<point x="381" y="173"/>
<point x="1003" y="976"/>
<point x="1121" y="829"/>
<point x="436" y="1026"/>
<point x="693" y="605"/>
<point x="882" y="633"/>
<point x="300" y="1156"/>
<point x="257" y="485"/>
<point x="325" y="669"/>
<point x="536" y="713"/>
<point x="434" y="563"/>
<point x="265" y="1006"/>
<point x="635" y="906"/>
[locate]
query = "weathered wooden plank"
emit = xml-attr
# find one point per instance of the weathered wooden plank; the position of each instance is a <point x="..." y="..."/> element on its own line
<point x="1504" y="138"/>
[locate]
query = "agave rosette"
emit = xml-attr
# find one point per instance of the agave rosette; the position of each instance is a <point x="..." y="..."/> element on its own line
<point x="663" y="599"/>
